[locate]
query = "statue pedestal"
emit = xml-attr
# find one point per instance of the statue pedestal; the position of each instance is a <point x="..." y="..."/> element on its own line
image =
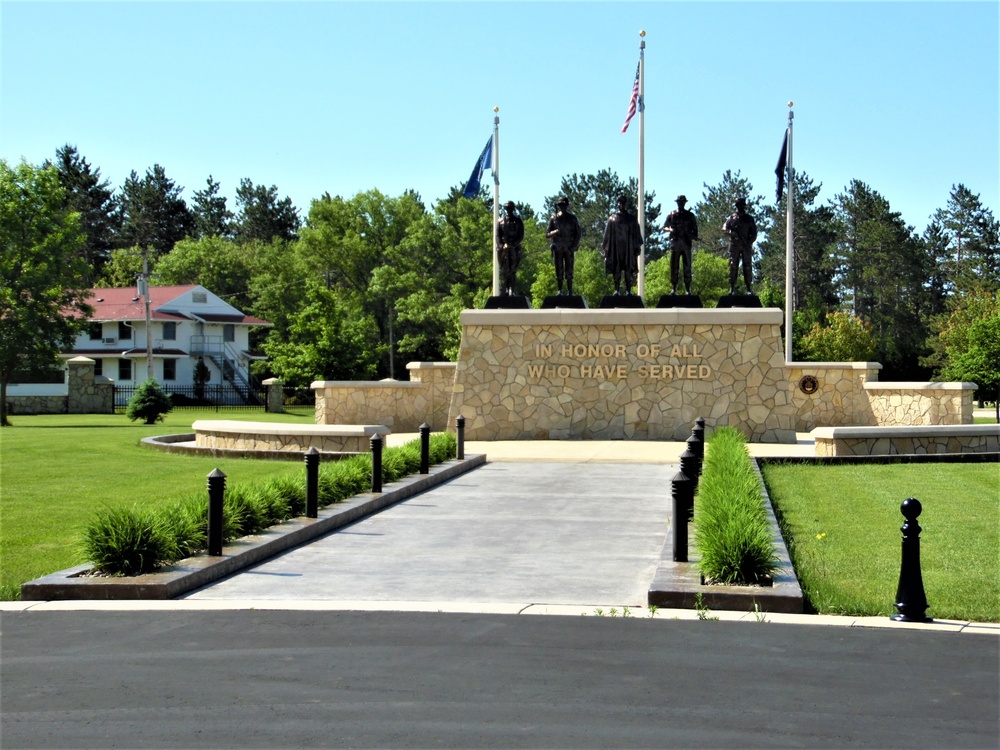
<point x="680" y="300"/>
<point x="564" y="302"/>
<point x="621" y="374"/>
<point x="507" y="302"/>
<point x="739" y="300"/>
<point x="621" y="302"/>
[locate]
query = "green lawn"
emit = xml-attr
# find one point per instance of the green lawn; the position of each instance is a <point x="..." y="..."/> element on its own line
<point x="842" y="524"/>
<point x="56" y="470"/>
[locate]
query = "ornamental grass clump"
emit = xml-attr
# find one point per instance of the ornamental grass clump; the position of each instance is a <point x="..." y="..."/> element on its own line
<point x="128" y="541"/>
<point x="732" y="531"/>
<point x="131" y="541"/>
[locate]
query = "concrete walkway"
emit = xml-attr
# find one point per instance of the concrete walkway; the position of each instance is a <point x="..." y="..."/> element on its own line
<point x="534" y="532"/>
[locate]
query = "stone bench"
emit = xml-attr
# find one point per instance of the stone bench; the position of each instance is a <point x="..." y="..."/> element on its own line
<point x="918" y="440"/>
<point x="277" y="436"/>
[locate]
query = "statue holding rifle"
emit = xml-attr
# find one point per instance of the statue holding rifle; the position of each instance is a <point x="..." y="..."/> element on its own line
<point x="742" y="232"/>
<point x="510" y="233"/>
<point x="564" y="232"/>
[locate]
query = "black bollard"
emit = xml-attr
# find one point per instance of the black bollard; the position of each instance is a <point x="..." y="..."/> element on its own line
<point x="911" y="602"/>
<point x="216" y="493"/>
<point x="460" y="428"/>
<point x="425" y="448"/>
<point x="689" y="467"/>
<point x="694" y="446"/>
<point x="698" y="431"/>
<point x="680" y="490"/>
<point x="312" y="483"/>
<point x="376" y="443"/>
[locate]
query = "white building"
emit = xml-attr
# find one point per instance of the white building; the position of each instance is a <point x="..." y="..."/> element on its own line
<point x="188" y="324"/>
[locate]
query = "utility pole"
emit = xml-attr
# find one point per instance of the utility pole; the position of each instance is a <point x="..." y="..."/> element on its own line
<point x="144" y="291"/>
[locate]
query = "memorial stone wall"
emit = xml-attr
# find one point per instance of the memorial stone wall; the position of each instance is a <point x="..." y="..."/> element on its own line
<point x="621" y="374"/>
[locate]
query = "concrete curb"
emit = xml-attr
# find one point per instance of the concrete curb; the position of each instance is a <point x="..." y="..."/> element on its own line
<point x="195" y="572"/>
<point x="678" y="584"/>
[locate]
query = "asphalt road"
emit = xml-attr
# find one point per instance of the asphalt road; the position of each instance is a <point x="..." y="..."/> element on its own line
<point x="257" y="679"/>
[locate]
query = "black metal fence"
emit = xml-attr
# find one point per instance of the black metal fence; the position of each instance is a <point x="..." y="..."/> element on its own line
<point x="218" y="397"/>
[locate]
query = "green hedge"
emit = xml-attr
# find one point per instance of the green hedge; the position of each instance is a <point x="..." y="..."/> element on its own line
<point x="732" y="532"/>
<point x="136" y="540"/>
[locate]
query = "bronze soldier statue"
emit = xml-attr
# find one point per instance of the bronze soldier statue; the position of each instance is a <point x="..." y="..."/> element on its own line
<point x="564" y="231"/>
<point x="682" y="227"/>
<point x="510" y="233"/>
<point x="622" y="245"/>
<point x="742" y="231"/>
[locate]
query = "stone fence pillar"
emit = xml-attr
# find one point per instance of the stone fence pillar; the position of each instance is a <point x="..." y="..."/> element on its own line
<point x="275" y="395"/>
<point x="87" y="393"/>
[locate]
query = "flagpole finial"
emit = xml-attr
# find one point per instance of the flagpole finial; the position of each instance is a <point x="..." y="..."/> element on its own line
<point x="642" y="33"/>
<point x="497" y="109"/>
<point x="791" y="104"/>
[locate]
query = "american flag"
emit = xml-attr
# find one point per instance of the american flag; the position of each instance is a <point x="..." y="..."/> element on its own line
<point x="633" y="102"/>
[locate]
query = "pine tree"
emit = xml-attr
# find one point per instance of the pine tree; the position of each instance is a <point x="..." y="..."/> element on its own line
<point x="94" y="200"/>
<point x="262" y="216"/>
<point x="153" y="213"/>
<point x="211" y="217"/>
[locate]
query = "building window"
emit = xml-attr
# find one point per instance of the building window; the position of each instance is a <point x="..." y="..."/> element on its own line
<point x="170" y="331"/>
<point x="98" y="367"/>
<point x="124" y="331"/>
<point x="170" y="369"/>
<point x="124" y="369"/>
<point x="199" y="298"/>
<point x="96" y="331"/>
<point x="229" y="333"/>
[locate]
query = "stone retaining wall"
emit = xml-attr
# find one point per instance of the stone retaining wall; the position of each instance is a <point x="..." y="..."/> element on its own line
<point x="273" y="436"/>
<point x="891" y="441"/>
<point x="398" y="404"/>
<point x="921" y="403"/>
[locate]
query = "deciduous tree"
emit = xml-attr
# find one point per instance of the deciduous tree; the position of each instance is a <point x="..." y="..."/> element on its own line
<point x="844" y="338"/>
<point x="42" y="302"/>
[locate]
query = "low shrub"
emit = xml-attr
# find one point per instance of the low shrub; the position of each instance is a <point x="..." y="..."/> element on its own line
<point x="133" y="540"/>
<point x="732" y="531"/>
<point x="149" y="403"/>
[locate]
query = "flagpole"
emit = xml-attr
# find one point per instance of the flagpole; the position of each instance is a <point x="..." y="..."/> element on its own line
<point x="790" y="243"/>
<point x="496" y="199"/>
<point x="642" y="159"/>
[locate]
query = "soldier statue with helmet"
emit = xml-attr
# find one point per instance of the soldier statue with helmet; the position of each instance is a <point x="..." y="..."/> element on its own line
<point x="742" y="232"/>
<point x="510" y="233"/>
<point x="564" y="232"/>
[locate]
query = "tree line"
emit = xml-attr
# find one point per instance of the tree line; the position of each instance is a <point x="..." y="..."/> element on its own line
<point x="366" y="283"/>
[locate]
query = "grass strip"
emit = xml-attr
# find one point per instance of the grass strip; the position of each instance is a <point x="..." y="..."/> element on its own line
<point x="842" y="528"/>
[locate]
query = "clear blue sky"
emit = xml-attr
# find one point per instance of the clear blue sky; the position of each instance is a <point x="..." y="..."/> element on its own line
<point x="341" y="97"/>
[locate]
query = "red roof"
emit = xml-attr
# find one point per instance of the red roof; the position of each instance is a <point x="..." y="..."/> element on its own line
<point x="126" y="304"/>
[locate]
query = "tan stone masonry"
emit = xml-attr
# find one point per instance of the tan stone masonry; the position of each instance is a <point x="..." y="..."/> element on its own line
<point x="635" y="374"/>
<point x="621" y="374"/>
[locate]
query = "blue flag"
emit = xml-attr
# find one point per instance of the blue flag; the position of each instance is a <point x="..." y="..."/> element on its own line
<point x="485" y="162"/>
